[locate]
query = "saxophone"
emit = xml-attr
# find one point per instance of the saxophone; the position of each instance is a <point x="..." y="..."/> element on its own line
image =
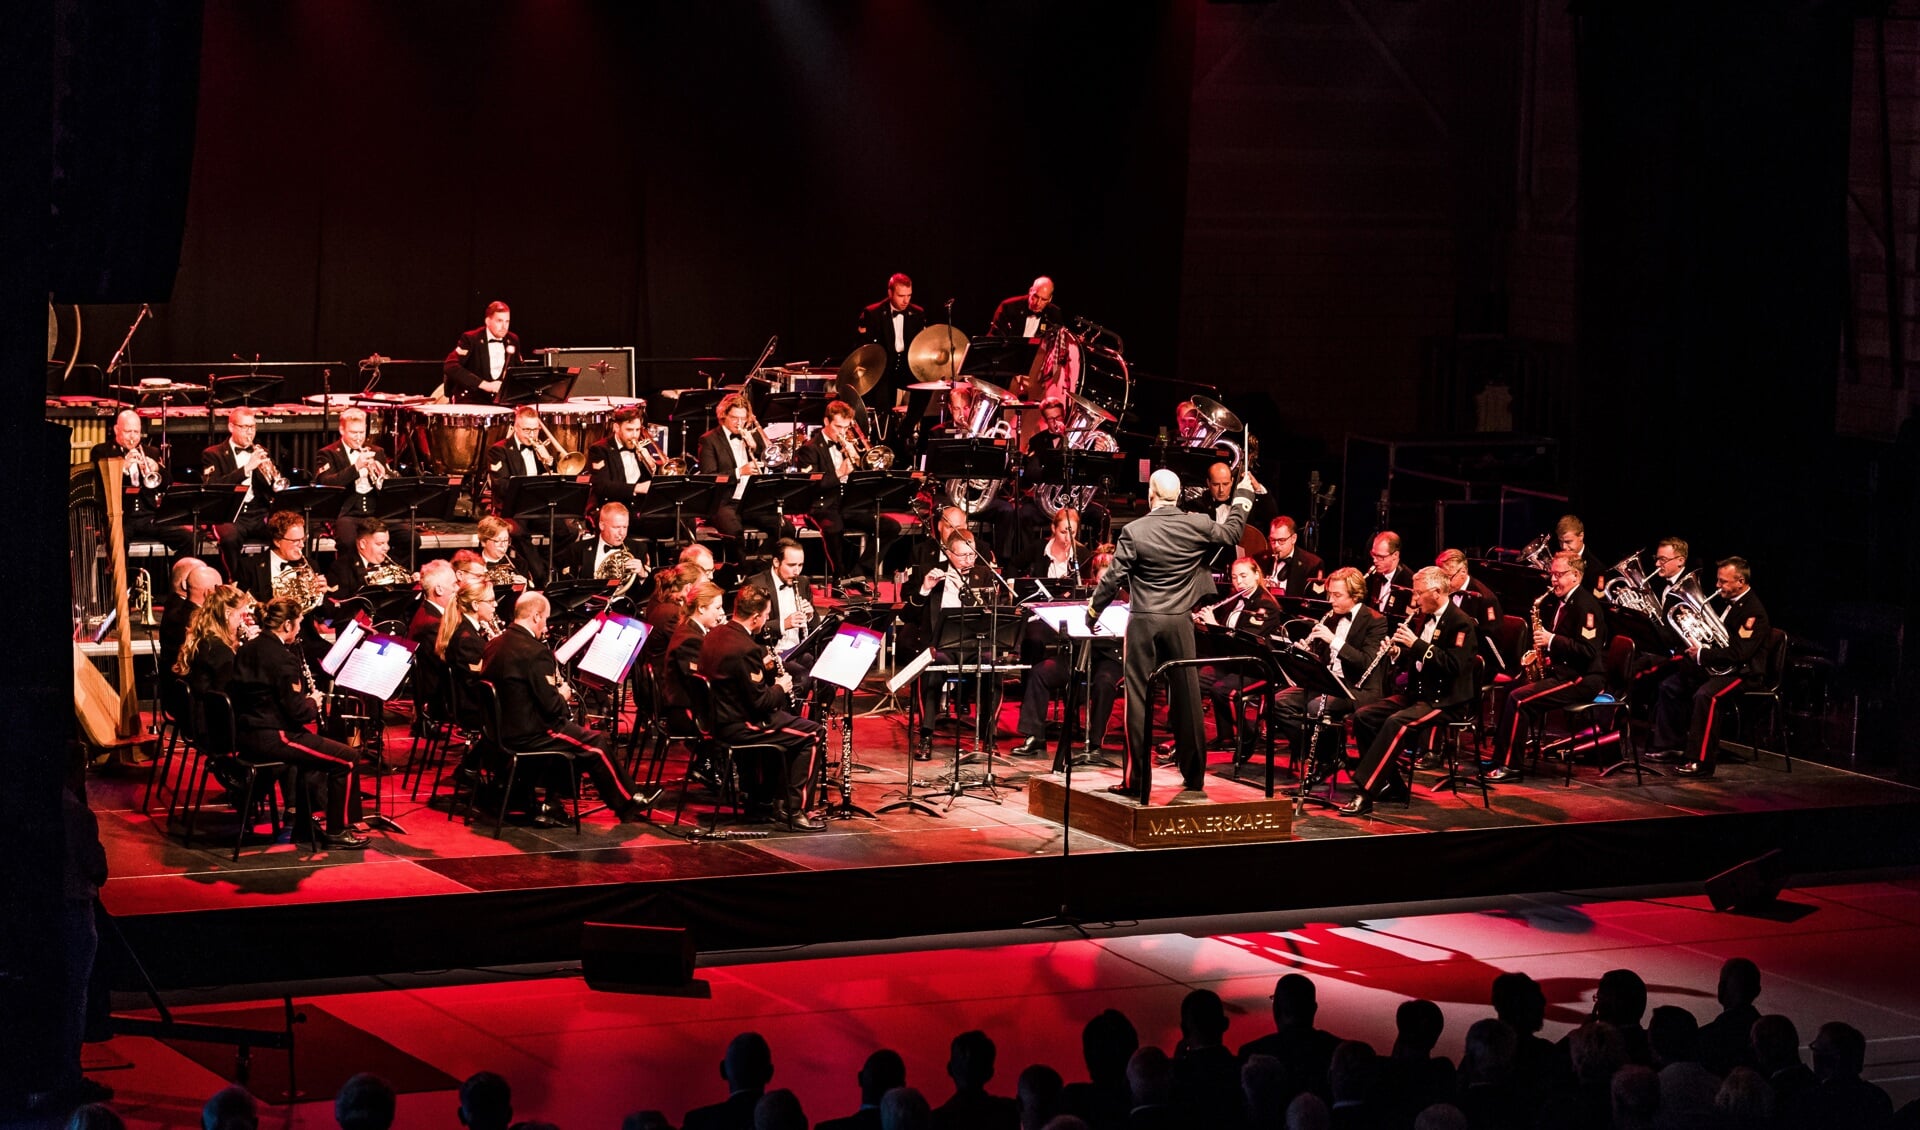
<point x="1533" y="665"/>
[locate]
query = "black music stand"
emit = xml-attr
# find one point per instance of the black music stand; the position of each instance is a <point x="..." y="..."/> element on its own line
<point x="797" y="408"/>
<point x="1190" y="463"/>
<point x="694" y="405"/>
<point x="534" y="384"/>
<point x="539" y="500"/>
<point x="967" y="458"/>
<point x="242" y="389"/>
<point x="667" y="501"/>
<point x="430" y="496"/>
<point x="774" y="495"/>
<point x="866" y="495"/>
<point x="216" y="503"/>
<point x="1075" y="467"/>
<point x="977" y="633"/>
<point x="312" y="500"/>
<point x="1305" y="670"/>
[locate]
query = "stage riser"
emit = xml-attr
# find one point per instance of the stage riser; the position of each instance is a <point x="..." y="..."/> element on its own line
<point x="1163" y="826"/>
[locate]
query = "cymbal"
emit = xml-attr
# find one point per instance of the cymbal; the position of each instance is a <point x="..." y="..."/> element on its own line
<point x="933" y="386"/>
<point x="862" y="369"/>
<point x="937" y="352"/>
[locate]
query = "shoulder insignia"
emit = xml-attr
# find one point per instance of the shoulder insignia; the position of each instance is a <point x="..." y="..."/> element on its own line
<point x="461" y="350"/>
<point x="1488" y="609"/>
<point x="756" y="675"/>
<point x="294" y="686"/>
<point x="509" y="347"/>
<point x="1746" y="630"/>
<point x="1460" y="638"/>
<point x="1588" y="632"/>
<point x="602" y="465"/>
<point x="498" y="464"/>
<point x="694" y="666"/>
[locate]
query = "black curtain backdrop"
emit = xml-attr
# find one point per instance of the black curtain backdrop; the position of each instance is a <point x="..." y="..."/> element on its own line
<point x="687" y="179"/>
<point x="1712" y="279"/>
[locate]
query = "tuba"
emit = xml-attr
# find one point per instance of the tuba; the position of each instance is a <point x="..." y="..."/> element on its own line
<point x="1084" y="420"/>
<point x="973" y="495"/>
<point x="1688" y="614"/>
<point x="1204" y="423"/>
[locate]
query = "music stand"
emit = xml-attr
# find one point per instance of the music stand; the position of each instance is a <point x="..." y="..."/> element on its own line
<point x="197" y="501"/>
<point x="1075" y="467"/>
<point x="967" y="458"/>
<point x="776" y="494"/>
<point x="534" y="384"/>
<point x="374" y="669"/>
<point x="242" y="389"/>
<point x="694" y="404"/>
<point x="1305" y="670"/>
<point x="798" y="408"/>
<point x="312" y="500"/>
<point x="976" y="632"/>
<point x="544" y="497"/>
<point x="667" y="499"/>
<point x="844" y="663"/>
<point x="1190" y="463"/>
<point x="432" y="495"/>
<point x="866" y="495"/>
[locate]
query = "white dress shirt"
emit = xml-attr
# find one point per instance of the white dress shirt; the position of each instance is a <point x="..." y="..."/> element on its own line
<point x="899" y="331"/>
<point x="496" y="356"/>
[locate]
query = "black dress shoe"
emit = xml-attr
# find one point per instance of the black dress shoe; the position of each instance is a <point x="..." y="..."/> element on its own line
<point x="1661" y="756"/>
<point x="801" y="822"/>
<point x="1697" y="769"/>
<point x="635" y="811"/>
<point x="1032" y="747"/>
<point x="1494" y="776"/>
<point x="1358" y="806"/>
<point x="343" y="841"/>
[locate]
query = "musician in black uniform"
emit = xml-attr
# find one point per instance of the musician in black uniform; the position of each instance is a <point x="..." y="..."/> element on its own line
<point x="1436" y="658"/>
<point x="1248" y="609"/>
<point x="472" y="371"/>
<point x="143" y="479"/>
<point x="1347" y="639"/>
<point x="1657" y="653"/>
<point x="240" y="463"/>
<point x="357" y="465"/>
<point x="996" y="513"/>
<point x="368" y="555"/>
<point x="1291" y="571"/>
<point x="286" y="541"/>
<point x="460" y="646"/>
<point x="1692" y="692"/>
<point x="273" y="706"/>
<point x="963" y="581"/>
<point x="891" y="324"/>
<point x="1027" y="315"/>
<point x="752" y="703"/>
<point x="1572" y="638"/>
<point x="1471" y="595"/>
<point x="1389" y="583"/>
<point x="834" y="451"/>
<point x="200" y="580"/>
<point x="1033" y="520"/>
<point x="535" y="706"/>
<point x="621" y="462"/>
<point x="1669" y="565"/>
<point x="1051" y="673"/>
<point x="706" y="610"/>
<point x="732" y="449"/>
<point x="789" y="610"/>
<point x="505" y="559"/>
<point x="1160" y="560"/>
<point x="439" y="584"/>
<point x="586" y="559"/>
<point x="520" y="454"/>
<point x="1218" y="496"/>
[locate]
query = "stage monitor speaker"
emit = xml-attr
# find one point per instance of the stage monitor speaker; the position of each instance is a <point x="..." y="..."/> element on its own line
<point x="1752" y="885"/>
<point x="637" y="959"/>
<point x="616" y="379"/>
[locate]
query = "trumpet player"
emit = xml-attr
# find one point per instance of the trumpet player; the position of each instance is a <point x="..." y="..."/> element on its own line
<point x="1688" y="708"/>
<point x="835" y="451"/>
<point x="1433" y="651"/>
<point x="1570" y="639"/>
<point x="521" y="453"/>
<point x="1291" y="571"/>
<point x="626" y="459"/>
<point x="242" y="462"/>
<point x="143" y="479"/>
<point x="355" y="464"/>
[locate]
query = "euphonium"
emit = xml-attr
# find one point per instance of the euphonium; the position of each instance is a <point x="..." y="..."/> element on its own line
<point x="1689" y="615"/>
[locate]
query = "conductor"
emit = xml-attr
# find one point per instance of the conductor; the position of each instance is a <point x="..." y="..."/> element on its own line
<point x="1161" y="559"/>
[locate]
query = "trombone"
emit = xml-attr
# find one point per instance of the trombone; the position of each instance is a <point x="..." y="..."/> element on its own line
<point x="559" y="460"/>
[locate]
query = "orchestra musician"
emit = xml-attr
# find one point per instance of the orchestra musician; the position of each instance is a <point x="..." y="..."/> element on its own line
<point x="1027" y="315"/>
<point x="439" y="584"/>
<point x="1249" y="608"/>
<point x="620" y="463"/>
<point x="354" y="463"/>
<point x="368" y="557"/>
<point x="1291" y="571"/>
<point x="507" y="564"/>
<point x="518" y="455"/>
<point x="732" y="449"/>
<point x="219" y="625"/>
<point x="700" y="555"/>
<point x="144" y="478"/>
<point x="891" y="324"/>
<point x="789" y="611"/>
<point x="259" y="573"/>
<point x="1669" y="565"/>
<point x="997" y="514"/>
<point x="752" y="703"/>
<point x="1471" y="595"/>
<point x="1572" y="641"/>
<point x="460" y="646"/>
<point x="959" y="582"/>
<point x="1214" y="501"/>
<point x="1346" y="639"/>
<point x="666" y="610"/>
<point x="535" y="710"/>
<point x="1435" y="656"/>
<point x="239" y="462"/>
<point x="197" y="580"/>
<point x="1159" y="559"/>
<point x="706" y="609"/>
<point x="1689" y="707"/>
<point x="1389" y="583"/>
<point x="1033" y="520"/>
<point x="1050" y="675"/>
<point x="472" y="371"/>
<point x="834" y="451"/>
<point x="274" y="706"/>
<point x="1062" y="557"/>
<point x="587" y="559"/>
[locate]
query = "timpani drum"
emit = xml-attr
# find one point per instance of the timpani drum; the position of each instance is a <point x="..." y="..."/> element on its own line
<point x="577" y="424"/>
<point x="455" y="436"/>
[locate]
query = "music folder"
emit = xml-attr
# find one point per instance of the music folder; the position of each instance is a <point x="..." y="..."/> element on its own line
<point x="614" y="646"/>
<point x="376" y="667"/>
<point x="1071" y="617"/>
<point x="344" y="641"/>
<point x="848" y="657"/>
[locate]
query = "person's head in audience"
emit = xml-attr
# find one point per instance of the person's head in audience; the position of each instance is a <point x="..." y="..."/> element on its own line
<point x="1418" y="1024"/>
<point x="1776" y="1044"/>
<point x="1038" y="1093"/>
<point x="1745" y="1099"/>
<point x="1294" y="1002"/>
<point x="970" y="1061"/>
<point x="1440" y="1116"/>
<point x="779" y="1110"/>
<point x="486" y="1102"/>
<point x="1106" y="1043"/>
<point x="1203" y="1019"/>
<point x="365" y="1102"/>
<point x="1621" y="999"/>
<point x="1634" y="1092"/>
<point x="646" y="1120"/>
<point x="1487" y="1059"/>
<point x="1739" y="983"/>
<point x="230" y="1108"/>
<point x="1308" y="1111"/>
<point x="1598" y="1050"/>
<point x="1354" y="1074"/>
<point x="748" y="1064"/>
<point x="94" y="1116"/>
<point x="1672" y="1033"/>
<point x="883" y="1071"/>
<point x="1839" y="1052"/>
<point x="1150" y="1077"/>
<point x="904" y="1108"/>
<point x="1520" y="1002"/>
<point x="1263" y="1087"/>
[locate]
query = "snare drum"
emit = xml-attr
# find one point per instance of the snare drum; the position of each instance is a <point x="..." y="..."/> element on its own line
<point x="577" y="424"/>
<point x="454" y="436"/>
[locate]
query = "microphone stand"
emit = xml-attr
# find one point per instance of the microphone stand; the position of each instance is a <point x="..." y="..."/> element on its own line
<point x="119" y="355"/>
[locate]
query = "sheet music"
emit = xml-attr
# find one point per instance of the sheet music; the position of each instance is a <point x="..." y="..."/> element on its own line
<point x="740" y="488"/>
<point x="345" y="640"/>
<point x="577" y="641"/>
<point x="848" y="656"/>
<point x="613" y="648"/>
<point x="906" y="674"/>
<point x="376" y="667"/>
<point x="1071" y="617"/>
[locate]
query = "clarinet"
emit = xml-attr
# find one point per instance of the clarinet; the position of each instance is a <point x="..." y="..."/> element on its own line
<point x="1386" y="646"/>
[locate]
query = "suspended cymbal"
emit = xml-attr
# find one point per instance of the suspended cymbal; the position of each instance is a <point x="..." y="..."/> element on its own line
<point x="937" y="352"/>
<point x="862" y="369"/>
<point x="932" y="386"/>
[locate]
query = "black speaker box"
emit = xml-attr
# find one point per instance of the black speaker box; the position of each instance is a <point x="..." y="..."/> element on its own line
<point x="1750" y="885"/>
<point x="603" y="371"/>
<point x="636" y="959"/>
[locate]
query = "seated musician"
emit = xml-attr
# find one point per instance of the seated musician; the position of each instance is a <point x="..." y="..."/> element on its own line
<point x="1471" y="595"/>
<point x="366" y="562"/>
<point x="143" y="479"/>
<point x="439" y="584"/>
<point x="472" y="371"/>
<point x="1051" y="673"/>
<point x="1689" y="708"/>
<point x="240" y="463"/>
<point x="1347" y="640"/>
<point x="535" y="710"/>
<point x="601" y="556"/>
<point x="834" y="452"/>
<point x="1570" y="636"/>
<point x="522" y="453"/>
<point x="706" y="610"/>
<point x="1291" y="571"/>
<point x="1249" y="609"/>
<point x="353" y="463"/>
<point x="274" y="706"/>
<point x="460" y="646"/>
<point x="1389" y="583"/>
<point x="1657" y="654"/>
<point x="220" y="624"/>
<point x="194" y="583"/>
<point x="1215" y="500"/>
<point x="732" y="449"/>
<point x="752" y="703"/>
<point x="971" y="495"/>
<point x="1063" y="556"/>
<point x="621" y="463"/>
<point x="964" y="581"/>
<point x="508" y="563"/>
<point x="260" y="573"/>
<point x="1033" y="517"/>
<point x="789" y="613"/>
<point x="1434" y="668"/>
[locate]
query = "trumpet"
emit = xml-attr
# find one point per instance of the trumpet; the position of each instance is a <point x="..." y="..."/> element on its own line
<point x="143" y="598"/>
<point x="375" y="471"/>
<point x="263" y="463"/>
<point x="145" y="465"/>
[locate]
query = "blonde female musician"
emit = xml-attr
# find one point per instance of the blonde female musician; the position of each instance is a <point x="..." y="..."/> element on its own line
<point x="214" y="635"/>
<point x="461" y="643"/>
